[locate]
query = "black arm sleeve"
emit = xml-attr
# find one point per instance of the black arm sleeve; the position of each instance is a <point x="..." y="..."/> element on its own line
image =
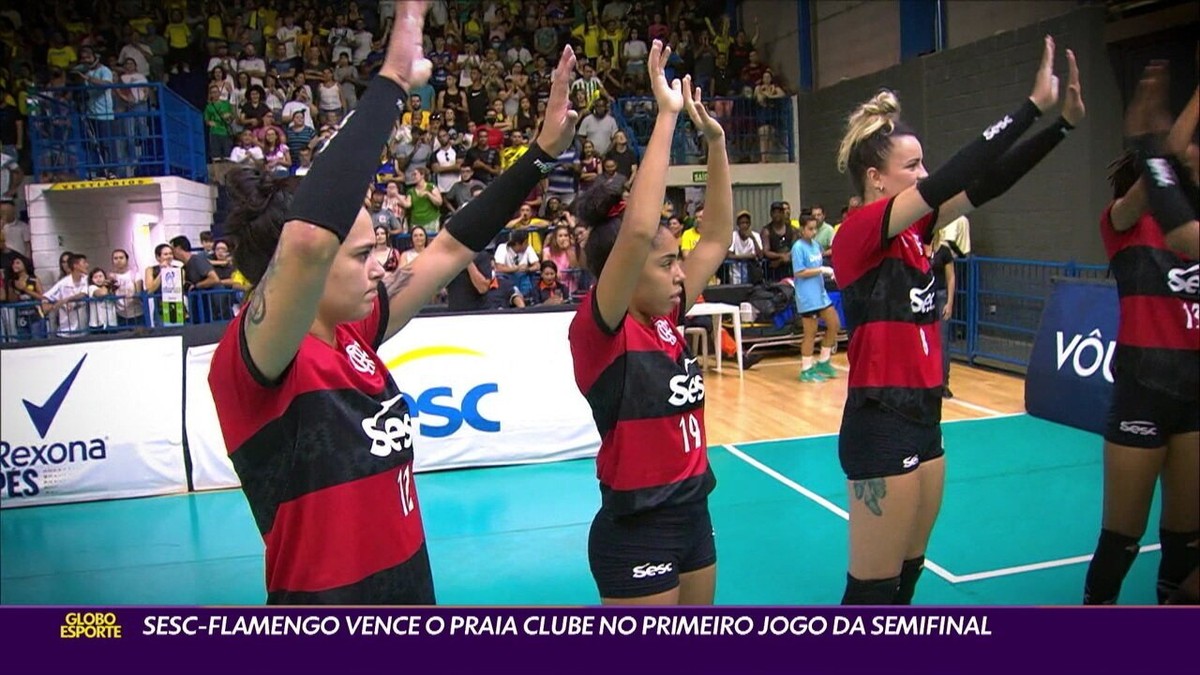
<point x="477" y="223"/>
<point x="1171" y="207"/>
<point x="331" y="195"/>
<point x="1018" y="161"/>
<point x="969" y="163"/>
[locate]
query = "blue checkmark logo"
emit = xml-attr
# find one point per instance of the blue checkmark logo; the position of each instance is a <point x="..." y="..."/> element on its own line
<point x="43" y="415"/>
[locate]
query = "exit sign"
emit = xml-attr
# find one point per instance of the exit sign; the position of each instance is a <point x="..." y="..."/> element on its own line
<point x="699" y="176"/>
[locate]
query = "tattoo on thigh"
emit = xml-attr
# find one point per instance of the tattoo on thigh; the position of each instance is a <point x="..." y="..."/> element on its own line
<point x="871" y="492"/>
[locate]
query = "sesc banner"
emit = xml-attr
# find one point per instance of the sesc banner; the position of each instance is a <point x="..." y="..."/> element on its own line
<point x="483" y="390"/>
<point x="1070" y="376"/>
<point x="491" y="389"/>
<point x="88" y="421"/>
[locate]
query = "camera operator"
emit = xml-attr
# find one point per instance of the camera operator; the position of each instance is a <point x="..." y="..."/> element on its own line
<point x="99" y="123"/>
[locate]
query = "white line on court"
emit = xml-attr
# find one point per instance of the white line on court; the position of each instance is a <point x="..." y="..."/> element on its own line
<point x="1033" y="567"/>
<point x="822" y="502"/>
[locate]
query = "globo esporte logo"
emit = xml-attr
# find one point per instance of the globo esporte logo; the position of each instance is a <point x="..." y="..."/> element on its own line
<point x="29" y="465"/>
<point x="443" y="410"/>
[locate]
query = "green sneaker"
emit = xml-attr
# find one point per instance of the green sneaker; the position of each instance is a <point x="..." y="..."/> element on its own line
<point x="811" y="375"/>
<point x="825" y="369"/>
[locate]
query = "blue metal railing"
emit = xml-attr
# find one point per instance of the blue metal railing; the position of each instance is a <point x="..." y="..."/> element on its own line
<point x="34" y="320"/>
<point x="753" y="133"/>
<point x="998" y="306"/>
<point x="77" y="134"/>
<point x="999" y="302"/>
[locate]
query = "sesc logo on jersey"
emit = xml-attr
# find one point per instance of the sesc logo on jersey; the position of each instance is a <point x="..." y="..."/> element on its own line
<point x="388" y="432"/>
<point x="1185" y="280"/>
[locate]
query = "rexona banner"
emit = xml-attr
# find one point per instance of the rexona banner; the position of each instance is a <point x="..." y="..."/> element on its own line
<point x="97" y="420"/>
<point x="483" y="390"/>
<point x="1070" y="377"/>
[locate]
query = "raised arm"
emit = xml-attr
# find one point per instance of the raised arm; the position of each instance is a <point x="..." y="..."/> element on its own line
<point x="717" y="228"/>
<point x="1146" y="122"/>
<point x="474" y="226"/>
<point x="640" y="223"/>
<point x="1020" y="159"/>
<point x="283" y="304"/>
<point x="970" y="162"/>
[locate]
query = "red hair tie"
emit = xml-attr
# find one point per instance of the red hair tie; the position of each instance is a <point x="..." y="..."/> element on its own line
<point x="617" y="209"/>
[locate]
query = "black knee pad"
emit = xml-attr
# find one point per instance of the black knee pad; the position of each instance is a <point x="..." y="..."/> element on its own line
<point x="1111" y="562"/>
<point x="870" y="591"/>
<point x="1180" y="555"/>
<point x="909" y="574"/>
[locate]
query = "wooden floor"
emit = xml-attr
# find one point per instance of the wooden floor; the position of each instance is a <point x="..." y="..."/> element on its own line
<point x="771" y="403"/>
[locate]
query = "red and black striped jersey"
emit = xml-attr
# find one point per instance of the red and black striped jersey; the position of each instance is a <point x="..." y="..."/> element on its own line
<point x="888" y="297"/>
<point x="325" y="457"/>
<point x="647" y="398"/>
<point x="1158" y="337"/>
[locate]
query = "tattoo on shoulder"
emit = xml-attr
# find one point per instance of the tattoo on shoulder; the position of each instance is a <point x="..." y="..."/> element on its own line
<point x="256" y="310"/>
<point x="871" y="493"/>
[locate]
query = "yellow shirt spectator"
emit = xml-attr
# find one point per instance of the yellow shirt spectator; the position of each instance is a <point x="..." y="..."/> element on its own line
<point x="423" y="118"/>
<point x="689" y="240"/>
<point x="591" y="40"/>
<point x="178" y="35"/>
<point x="62" y="57"/>
<point x="141" y="24"/>
<point x="509" y="156"/>
<point x="216" y="27"/>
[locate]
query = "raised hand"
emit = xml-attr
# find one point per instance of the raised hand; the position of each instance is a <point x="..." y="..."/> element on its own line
<point x="668" y="95"/>
<point x="404" y="62"/>
<point x="1147" y="114"/>
<point x="1045" y="85"/>
<point x="700" y="118"/>
<point x="558" y="129"/>
<point x="1073" y="110"/>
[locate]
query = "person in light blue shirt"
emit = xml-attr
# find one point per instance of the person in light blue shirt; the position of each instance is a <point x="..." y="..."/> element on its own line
<point x="812" y="303"/>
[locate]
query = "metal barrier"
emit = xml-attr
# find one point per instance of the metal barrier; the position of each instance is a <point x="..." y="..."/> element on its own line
<point x="999" y="304"/>
<point x="753" y="133"/>
<point x="78" y="133"/>
<point x="33" y="320"/>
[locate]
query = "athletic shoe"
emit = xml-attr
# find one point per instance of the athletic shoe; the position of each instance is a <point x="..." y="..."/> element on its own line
<point x="825" y="369"/>
<point x="811" y="375"/>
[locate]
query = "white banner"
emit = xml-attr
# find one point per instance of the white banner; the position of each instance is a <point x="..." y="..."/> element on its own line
<point x="211" y="468"/>
<point x="484" y="390"/>
<point x="95" y="420"/>
<point x="492" y="389"/>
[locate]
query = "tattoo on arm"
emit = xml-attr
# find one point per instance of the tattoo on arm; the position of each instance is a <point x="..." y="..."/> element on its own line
<point x="256" y="311"/>
<point x="397" y="281"/>
<point x="871" y="492"/>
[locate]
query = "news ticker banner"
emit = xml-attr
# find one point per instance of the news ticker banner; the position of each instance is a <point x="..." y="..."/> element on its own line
<point x="1070" y="376"/>
<point x="483" y="390"/>
<point x="601" y="639"/>
<point x="94" y="420"/>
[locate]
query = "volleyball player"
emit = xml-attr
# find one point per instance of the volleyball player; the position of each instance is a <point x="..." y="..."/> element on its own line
<point x="317" y="429"/>
<point x="812" y="303"/>
<point x="1153" y="430"/>
<point x="890" y="444"/>
<point x="652" y="540"/>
